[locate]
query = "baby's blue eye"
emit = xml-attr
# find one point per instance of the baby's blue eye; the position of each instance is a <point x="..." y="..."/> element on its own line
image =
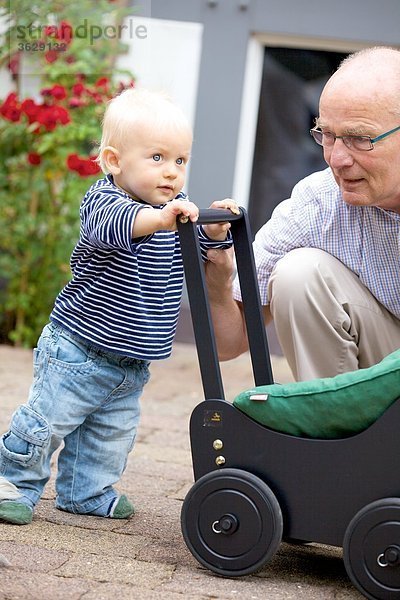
<point x="157" y="157"/>
<point x="179" y="161"/>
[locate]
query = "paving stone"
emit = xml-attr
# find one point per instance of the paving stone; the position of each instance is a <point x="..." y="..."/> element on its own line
<point x="105" y="591"/>
<point x="78" y="540"/>
<point x="22" y="585"/>
<point x="30" y="557"/>
<point x="61" y="556"/>
<point x="117" y="569"/>
<point x="193" y="579"/>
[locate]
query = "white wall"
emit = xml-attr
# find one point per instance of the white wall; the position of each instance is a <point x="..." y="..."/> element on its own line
<point x="168" y="58"/>
<point x="6" y="83"/>
<point x="165" y="55"/>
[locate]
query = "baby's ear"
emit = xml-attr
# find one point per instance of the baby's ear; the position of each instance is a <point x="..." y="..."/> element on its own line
<point x="110" y="156"/>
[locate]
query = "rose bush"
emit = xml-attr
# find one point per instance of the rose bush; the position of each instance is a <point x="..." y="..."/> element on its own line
<point x="47" y="162"/>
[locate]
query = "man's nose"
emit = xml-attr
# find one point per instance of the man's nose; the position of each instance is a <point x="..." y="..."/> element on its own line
<point x="339" y="155"/>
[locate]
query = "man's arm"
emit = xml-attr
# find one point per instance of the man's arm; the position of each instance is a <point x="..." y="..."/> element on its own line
<point x="227" y="313"/>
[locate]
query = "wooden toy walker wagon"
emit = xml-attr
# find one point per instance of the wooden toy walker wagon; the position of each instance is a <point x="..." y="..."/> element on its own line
<point x="287" y="462"/>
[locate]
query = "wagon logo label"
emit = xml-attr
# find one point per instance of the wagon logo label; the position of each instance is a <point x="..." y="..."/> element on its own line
<point x="212" y="418"/>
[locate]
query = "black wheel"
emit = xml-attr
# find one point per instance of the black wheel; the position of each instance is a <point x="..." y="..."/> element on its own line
<point x="371" y="550"/>
<point x="231" y="522"/>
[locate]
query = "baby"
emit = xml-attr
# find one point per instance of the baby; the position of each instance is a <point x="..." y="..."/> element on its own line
<point x="116" y="315"/>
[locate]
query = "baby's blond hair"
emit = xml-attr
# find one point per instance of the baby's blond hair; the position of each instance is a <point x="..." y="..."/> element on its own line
<point x="137" y="107"/>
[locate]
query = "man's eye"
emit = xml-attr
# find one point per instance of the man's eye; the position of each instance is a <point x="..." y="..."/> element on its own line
<point x="328" y="136"/>
<point x="157" y="157"/>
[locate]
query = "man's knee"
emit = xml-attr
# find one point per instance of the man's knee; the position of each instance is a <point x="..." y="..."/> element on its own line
<point x="294" y="275"/>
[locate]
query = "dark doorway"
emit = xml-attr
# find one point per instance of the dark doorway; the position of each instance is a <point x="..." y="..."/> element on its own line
<point x="284" y="151"/>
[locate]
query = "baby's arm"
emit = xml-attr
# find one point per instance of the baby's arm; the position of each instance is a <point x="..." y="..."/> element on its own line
<point x="218" y="231"/>
<point x="150" y="220"/>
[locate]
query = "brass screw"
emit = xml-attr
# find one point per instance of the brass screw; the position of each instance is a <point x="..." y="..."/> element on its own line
<point x="218" y="444"/>
<point x="219" y="461"/>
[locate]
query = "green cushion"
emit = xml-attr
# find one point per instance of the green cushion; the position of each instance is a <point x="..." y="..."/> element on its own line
<point x="334" y="407"/>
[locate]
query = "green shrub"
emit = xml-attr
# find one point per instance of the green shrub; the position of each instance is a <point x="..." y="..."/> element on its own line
<point x="47" y="151"/>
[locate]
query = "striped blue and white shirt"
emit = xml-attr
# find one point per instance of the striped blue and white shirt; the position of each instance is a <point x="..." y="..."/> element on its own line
<point x="125" y="293"/>
<point x="365" y="238"/>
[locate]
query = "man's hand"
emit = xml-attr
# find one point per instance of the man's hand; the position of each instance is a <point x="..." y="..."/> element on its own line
<point x="227" y="314"/>
<point x="217" y="231"/>
<point x="219" y="273"/>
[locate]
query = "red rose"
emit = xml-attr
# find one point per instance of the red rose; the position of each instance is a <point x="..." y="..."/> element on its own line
<point x="34" y="158"/>
<point x="62" y="115"/>
<point x="83" y="166"/>
<point x="30" y="109"/>
<point x="75" y="102"/>
<point x="51" y="31"/>
<point x="12" y="114"/>
<point x="51" y="116"/>
<point x="58" y="92"/>
<point x="102" y="82"/>
<point x="11" y="99"/>
<point x="65" y="32"/>
<point x="98" y="98"/>
<point x="47" y="118"/>
<point x="51" y="56"/>
<point x="11" y="108"/>
<point x="73" y="162"/>
<point x="89" y="167"/>
<point x="28" y="104"/>
<point x="10" y="102"/>
<point x="78" y="89"/>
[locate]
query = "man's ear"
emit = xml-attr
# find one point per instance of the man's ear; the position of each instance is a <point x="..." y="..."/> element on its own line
<point x="111" y="159"/>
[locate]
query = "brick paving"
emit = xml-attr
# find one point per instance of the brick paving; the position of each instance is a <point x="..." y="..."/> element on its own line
<point x="68" y="557"/>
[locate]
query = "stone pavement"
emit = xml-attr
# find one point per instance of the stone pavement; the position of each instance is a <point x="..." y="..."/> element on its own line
<point x="66" y="557"/>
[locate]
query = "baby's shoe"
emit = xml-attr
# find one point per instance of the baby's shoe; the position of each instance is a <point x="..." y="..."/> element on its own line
<point x="15" y="512"/>
<point x="11" y="510"/>
<point x="121" y="508"/>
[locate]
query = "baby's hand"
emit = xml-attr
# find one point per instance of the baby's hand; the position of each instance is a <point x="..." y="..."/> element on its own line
<point x="217" y="231"/>
<point x="187" y="209"/>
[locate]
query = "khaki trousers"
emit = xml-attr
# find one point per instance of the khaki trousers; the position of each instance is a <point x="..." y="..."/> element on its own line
<point x="326" y="320"/>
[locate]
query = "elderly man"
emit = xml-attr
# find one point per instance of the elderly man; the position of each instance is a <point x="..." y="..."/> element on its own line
<point x="328" y="260"/>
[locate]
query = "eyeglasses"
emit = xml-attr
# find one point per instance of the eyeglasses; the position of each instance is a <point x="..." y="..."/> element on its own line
<point x="354" y="142"/>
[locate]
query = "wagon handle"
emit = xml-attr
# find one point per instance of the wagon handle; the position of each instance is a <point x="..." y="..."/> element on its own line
<point x="200" y="307"/>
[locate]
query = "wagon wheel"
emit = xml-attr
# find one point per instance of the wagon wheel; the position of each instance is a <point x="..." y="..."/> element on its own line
<point x="372" y="549"/>
<point x="231" y="522"/>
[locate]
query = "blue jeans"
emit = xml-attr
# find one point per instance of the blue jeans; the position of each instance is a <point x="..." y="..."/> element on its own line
<point x="86" y="398"/>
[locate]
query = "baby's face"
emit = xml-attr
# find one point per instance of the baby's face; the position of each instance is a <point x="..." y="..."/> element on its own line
<point x="153" y="166"/>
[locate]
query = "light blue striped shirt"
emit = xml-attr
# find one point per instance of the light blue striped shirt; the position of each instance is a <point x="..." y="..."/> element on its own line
<point x="365" y="238"/>
<point x="125" y="293"/>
